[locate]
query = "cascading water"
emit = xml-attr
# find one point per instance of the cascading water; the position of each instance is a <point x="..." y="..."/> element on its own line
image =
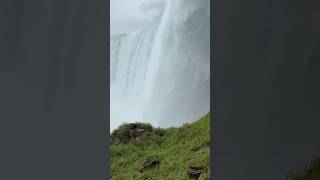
<point x="161" y="74"/>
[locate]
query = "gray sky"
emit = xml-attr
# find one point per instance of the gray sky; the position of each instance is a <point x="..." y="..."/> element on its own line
<point x="130" y="15"/>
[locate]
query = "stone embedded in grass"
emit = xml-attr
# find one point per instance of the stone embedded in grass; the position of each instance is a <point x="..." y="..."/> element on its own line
<point x="149" y="165"/>
<point x="195" y="172"/>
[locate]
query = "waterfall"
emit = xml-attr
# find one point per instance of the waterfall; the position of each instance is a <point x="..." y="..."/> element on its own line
<point x="161" y="74"/>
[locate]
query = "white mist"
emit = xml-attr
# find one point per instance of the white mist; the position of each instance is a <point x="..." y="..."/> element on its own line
<point x="161" y="74"/>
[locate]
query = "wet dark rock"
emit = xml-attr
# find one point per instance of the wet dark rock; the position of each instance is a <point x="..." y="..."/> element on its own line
<point x="195" y="172"/>
<point x="149" y="165"/>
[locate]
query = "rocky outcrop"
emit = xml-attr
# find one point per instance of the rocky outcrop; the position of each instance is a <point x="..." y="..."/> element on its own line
<point x="128" y="132"/>
<point x="135" y="132"/>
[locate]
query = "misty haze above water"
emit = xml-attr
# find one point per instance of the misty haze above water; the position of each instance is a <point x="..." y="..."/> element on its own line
<point x="161" y="74"/>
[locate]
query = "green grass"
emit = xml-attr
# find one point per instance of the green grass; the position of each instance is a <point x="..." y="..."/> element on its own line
<point x="176" y="148"/>
<point x="310" y="173"/>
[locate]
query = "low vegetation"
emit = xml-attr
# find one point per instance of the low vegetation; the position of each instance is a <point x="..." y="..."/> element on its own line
<point x="176" y="149"/>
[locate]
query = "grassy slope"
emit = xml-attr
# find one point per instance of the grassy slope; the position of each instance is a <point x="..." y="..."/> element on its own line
<point x="177" y="149"/>
<point x="311" y="173"/>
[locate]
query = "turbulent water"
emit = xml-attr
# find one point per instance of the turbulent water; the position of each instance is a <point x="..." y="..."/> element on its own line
<point x="161" y="74"/>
